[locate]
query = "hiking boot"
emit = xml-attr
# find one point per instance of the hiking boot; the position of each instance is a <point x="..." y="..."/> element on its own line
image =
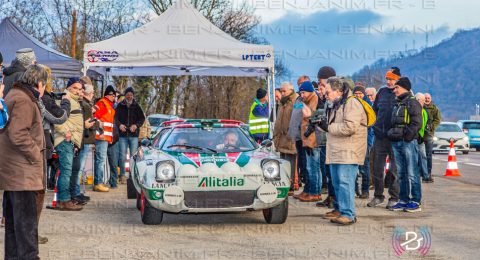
<point x="79" y="201"/>
<point x="83" y="197"/>
<point x="328" y="202"/>
<point x="364" y="195"/>
<point x="332" y="214"/>
<point x="123" y="179"/>
<point x="296" y="196"/>
<point x="100" y="188"/>
<point x="413" y="207"/>
<point x="399" y="206"/>
<point x="42" y="240"/>
<point x="429" y="180"/>
<point x="310" y="198"/>
<point x="343" y="220"/>
<point x="375" y="202"/>
<point x="68" y="206"/>
<point x="291" y="192"/>
<point x="391" y="203"/>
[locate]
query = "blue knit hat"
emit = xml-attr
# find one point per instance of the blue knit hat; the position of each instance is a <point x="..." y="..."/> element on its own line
<point x="306" y="86"/>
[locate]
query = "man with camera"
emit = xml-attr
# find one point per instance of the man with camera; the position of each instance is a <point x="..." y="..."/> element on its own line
<point x="68" y="142"/>
<point x="313" y="187"/>
<point x="129" y="117"/>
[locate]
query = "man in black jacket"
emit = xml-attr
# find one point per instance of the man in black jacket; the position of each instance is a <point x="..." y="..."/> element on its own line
<point x="406" y="122"/>
<point x="383" y="105"/>
<point x="129" y="117"/>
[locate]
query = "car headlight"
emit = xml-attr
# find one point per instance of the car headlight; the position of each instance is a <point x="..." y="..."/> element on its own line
<point x="435" y="138"/>
<point x="165" y="171"/>
<point x="271" y="169"/>
<point x="465" y="138"/>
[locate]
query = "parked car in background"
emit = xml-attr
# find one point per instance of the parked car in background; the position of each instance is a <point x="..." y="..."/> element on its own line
<point x="447" y="131"/>
<point x="156" y="120"/>
<point x="472" y="129"/>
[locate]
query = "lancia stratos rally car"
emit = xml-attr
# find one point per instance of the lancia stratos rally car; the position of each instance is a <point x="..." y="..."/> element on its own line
<point x="199" y="166"/>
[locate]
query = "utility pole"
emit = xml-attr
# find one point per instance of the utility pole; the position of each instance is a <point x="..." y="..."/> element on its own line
<point x="74" y="35"/>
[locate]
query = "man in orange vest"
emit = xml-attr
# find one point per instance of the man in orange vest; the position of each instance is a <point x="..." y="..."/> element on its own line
<point x="105" y="115"/>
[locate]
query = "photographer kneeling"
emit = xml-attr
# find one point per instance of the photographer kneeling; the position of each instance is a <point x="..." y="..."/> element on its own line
<point x="346" y="127"/>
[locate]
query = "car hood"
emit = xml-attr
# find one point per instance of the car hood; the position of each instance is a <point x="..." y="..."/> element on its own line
<point x="448" y="135"/>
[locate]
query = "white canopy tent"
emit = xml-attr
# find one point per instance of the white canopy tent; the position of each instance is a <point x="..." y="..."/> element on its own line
<point x="180" y="42"/>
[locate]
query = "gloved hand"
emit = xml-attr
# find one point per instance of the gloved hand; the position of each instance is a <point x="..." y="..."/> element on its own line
<point x="323" y="124"/>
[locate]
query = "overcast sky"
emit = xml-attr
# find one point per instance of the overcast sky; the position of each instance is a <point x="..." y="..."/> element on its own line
<point x="348" y="34"/>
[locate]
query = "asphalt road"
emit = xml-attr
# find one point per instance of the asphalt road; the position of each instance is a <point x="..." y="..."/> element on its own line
<point x="110" y="228"/>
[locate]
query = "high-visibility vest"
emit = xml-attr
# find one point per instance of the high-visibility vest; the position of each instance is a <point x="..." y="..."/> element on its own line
<point x="107" y="120"/>
<point x="257" y="125"/>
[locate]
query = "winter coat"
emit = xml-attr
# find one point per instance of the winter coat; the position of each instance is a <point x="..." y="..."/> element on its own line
<point x="3" y="114"/>
<point x="294" y="128"/>
<point x="22" y="142"/>
<point x="434" y="119"/>
<point x="52" y="114"/>
<point x="310" y="141"/>
<point x="89" y="134"/>
<point x="74" y="124"/>
<point x="128" y="116"/>
<point x="283" y="143"/>
<point x="11" y="75"/>
<point x="383" y="106"/>
<point x="406" y="119"/>
<point x="347" y="132"/>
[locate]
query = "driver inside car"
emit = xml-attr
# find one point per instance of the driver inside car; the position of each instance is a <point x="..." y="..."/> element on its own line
<point x="180" y="141"/>
<point x="230" y="141"/>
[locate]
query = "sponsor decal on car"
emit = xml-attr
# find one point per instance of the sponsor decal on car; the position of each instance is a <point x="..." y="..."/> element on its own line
<point x="197" y="159"/>
<point x="221" y="182"/>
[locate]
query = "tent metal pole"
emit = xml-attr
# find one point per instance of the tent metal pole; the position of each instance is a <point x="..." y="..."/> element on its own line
<point x="273" y="84"/>
<point x="270" y="102"/>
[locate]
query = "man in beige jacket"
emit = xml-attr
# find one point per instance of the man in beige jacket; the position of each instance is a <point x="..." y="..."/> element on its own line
<point x="346" y="127"/>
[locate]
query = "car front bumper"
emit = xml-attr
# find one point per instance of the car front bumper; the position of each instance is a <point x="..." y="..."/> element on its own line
<point x="444" y="145"/>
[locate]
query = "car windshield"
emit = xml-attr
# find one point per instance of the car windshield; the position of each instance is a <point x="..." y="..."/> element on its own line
<point x="471" y="125"/>
<point x="211" y="140"/>
<point x="448" y="128"/>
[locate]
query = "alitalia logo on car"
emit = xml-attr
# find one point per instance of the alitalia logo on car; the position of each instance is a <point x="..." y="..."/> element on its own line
<point x="221" y="182"/>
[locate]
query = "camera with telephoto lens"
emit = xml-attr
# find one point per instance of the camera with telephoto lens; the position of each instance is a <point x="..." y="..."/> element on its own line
<point x="314" y="120"/>
<point x="58" y="95"/>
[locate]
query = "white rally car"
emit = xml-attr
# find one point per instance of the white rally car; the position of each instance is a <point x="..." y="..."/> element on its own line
<point x="195" y="166"/>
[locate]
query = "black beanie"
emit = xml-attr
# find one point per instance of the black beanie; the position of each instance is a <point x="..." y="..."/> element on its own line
<point x="359" y="88"/>
<point x="326" y="72"/>
<point x="404" y="82"/>
<point x="129" y="89"/>
<point x="109" y="90"/>
<point x="261" y="93"/>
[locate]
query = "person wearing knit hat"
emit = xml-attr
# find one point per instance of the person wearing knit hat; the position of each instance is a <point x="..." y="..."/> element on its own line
<point x="110" y="91"/>
<point x="313" y="185"/>
<point x="129" y="117"/>
<point x="325" y="72"/>
<point x="403" y="134"/>
<point x="359" y="92"/>
<point x="258" y="118"/>
<point x="11" y="74"/>
<point x="382" y="147"/>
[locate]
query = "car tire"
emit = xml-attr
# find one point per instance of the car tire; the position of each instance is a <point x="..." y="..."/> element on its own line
<point x="465" y="152"/>
<point x="150" y="215"/>
<point x="139" y="202"/>
<point x="131" y="191"/>
<point x="277" y="214"/>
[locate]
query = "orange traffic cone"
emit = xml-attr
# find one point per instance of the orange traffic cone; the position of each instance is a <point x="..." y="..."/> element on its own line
<point x="387" y="165"/>
<point x="452" y="166"/>
<point x="54" y="200"/>
<point x="127" y="163"/>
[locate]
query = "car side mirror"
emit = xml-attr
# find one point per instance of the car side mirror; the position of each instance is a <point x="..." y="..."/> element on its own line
<point x="145" y="142"/>
<point x="266" y="143"/>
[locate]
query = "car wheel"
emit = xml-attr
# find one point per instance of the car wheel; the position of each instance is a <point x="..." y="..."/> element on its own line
<point x="277" y="214"/>
<point x="131" y="191"/>
<point x="465" y="152"/>
<point x="150" y="215"/>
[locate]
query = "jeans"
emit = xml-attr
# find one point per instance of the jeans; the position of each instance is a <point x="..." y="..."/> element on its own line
<point x="302" y="162"/>
<point x="429" y="151"/>
<point x="422" y="161"/>
<point x="314" y="183"/>
<point x="65" y="158"/>
<point x="383" y="147"/>
<point x="21" y="225"/>
<point x="406" y="155"/>
<point x="126" y="142"/>
<point x="326" y="170"/>
<point x="364" y="171"/>
<point x="100" y="161"/>
<point x="112" y="153"/>
<point x="343" y="178"/>
<point x="78" y="167"/>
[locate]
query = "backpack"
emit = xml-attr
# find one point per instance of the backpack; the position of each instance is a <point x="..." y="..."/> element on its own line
<point x="371" y="116"/>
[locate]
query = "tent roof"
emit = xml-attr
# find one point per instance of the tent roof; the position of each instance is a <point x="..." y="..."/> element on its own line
<point x="12" y="38"/>
<point x="178" y="42"/>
